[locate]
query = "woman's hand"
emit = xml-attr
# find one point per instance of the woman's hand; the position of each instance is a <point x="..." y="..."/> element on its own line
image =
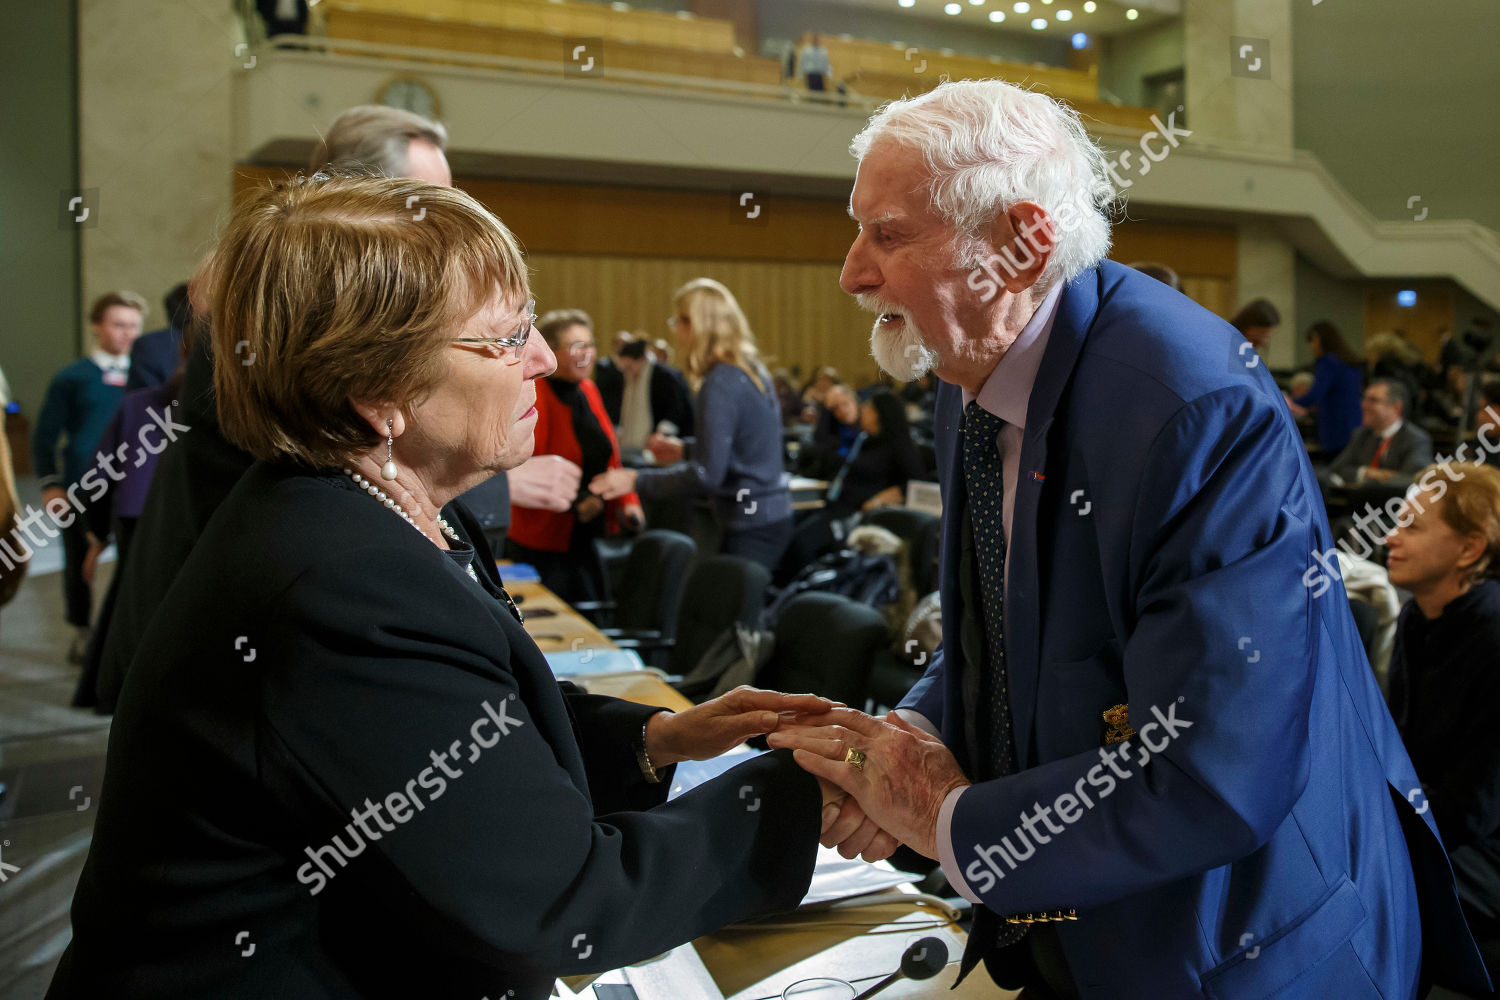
<point x="613" y="483"/>
<point x="722" y="724"/>
<point x="666" y="450"/>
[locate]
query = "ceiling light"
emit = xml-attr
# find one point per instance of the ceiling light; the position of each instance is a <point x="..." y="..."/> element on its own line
<point x="1090" y="7"/>
<point x="1022" y="7"/>
<point x="1406" y="299"/>
<point x="997" y="16"/>
<point x="907" y="3"/>
<point x="1065" y="15"/>
<point x="1039" y="23"/>
<point x="1080" y="41"/>
<point x="952" y="9"/>
<point x="1132" y="14"/>
<point x="977" y="3"/>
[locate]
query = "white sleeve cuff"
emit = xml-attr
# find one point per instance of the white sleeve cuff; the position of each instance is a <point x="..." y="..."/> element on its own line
<point x="946" y="856"/>
<point x="922" y="722"/>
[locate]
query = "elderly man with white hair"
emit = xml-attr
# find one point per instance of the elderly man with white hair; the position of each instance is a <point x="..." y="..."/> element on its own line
<point x="1157" y="763"/>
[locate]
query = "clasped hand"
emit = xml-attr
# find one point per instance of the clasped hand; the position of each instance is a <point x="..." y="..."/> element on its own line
<point x="719" y="725"/>
<point x="900" y="790"/>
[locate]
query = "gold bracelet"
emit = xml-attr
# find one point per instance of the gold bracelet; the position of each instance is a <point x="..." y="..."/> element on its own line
<point x="643" y="758"/>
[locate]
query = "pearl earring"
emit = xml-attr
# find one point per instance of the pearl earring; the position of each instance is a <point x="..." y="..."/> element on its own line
<point x="388" y="470"/>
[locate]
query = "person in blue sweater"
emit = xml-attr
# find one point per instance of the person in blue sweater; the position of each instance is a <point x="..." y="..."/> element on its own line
<point x="80" y="401"/>
<point x="1337" y="386"/>
<point x="735" y="459"/>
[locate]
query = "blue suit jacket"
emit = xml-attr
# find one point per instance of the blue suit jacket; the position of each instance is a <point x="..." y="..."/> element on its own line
<point x="1161" y="556"/>
<point x="154" y="358"/>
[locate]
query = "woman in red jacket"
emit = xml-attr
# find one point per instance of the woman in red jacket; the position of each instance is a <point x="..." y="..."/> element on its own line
<point x="571" y="422"/>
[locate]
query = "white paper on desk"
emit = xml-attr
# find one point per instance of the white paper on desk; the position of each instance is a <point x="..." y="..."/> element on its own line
<point x="834" y="877"/>
<point x="582" y="662"/>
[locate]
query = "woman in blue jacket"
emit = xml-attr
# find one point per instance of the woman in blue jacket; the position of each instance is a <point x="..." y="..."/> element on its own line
<point x="1337" y="386"/>
<point x="736" y="458"/>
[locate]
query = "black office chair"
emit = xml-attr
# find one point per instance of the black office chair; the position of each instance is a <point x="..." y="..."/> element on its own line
<point x="920" y="531"/>
<point x="720" y="591"/>
<point x="645" y="609"/>
<point x="826" y="644"/>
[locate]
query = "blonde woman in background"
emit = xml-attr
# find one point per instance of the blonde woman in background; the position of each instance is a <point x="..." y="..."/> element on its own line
<point x="735" y="459"/>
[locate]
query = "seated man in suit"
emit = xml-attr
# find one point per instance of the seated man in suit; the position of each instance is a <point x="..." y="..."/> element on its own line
<point x="646" y="394"/>
<point x="1157" y="765"/>
<point x="1387" y="448"/>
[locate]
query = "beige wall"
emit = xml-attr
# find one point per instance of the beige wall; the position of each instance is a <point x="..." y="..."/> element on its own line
<point x="154" y="125"/>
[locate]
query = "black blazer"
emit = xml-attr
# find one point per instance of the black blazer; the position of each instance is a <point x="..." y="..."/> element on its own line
<point x="154" y="358"/>
<point x="670" y="398"/>
<point x="318" y="658"/>
<point x="1410" y="452"/>
<point x="193" y="476"/>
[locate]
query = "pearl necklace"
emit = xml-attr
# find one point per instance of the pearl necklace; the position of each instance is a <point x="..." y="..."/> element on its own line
<point x="380" y="495"/>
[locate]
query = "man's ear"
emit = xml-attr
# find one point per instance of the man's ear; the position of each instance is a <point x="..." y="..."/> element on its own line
<point x="1024" y="239"/>
<point x="376" y="416"/>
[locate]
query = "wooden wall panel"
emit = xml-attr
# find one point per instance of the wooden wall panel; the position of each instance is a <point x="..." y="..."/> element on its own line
<point x="798" y="312"/>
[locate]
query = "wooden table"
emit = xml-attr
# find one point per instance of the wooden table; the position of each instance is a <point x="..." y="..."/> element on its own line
<point x="808" y="494"/>
<point x="754" y="961"/>
<point x="551" y="622"/>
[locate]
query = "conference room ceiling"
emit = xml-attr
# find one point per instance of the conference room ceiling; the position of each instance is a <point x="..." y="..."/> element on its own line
<point x="1109" y="17"/>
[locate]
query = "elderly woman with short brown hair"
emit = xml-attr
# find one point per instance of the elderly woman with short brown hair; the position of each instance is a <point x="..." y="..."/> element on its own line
<point x="339" y="765"/>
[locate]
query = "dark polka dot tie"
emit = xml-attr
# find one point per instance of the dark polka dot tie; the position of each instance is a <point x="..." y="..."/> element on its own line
<point x="986" y="486"/>
<point x="983" y="477"/>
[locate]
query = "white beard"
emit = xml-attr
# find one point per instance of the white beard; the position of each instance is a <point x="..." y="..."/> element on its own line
<point x="899" y="349"/>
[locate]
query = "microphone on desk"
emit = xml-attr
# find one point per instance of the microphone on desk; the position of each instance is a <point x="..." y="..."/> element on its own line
<point x="922" y="960"/>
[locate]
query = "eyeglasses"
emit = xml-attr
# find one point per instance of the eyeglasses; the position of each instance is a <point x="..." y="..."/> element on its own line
<point x="512" y="347"/>
<point x="675" y="321"/>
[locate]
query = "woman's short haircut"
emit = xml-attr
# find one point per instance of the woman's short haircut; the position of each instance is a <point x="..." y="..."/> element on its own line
<point x="327" y="291"/>
<point x="130" y="300"/>
<point x="1470" y="506"/>
<point x="558" y="320"/>
<point x="988" y="145"/>
<point x="720" y="332"/>
<point x="373" y="139"/>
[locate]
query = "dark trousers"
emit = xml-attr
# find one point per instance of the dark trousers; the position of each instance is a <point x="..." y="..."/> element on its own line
<point x="763" y="543"/>
<point x="78" y="596"/>
<point x="85" y="695"/>
<point x="815" y="82"/>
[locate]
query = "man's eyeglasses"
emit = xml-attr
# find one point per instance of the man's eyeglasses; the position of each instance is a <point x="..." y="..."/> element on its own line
<point x="512" y="347"/>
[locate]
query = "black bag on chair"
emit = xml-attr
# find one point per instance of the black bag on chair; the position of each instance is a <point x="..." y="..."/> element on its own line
<point x="734" y="658"/>
<point x="869" y="579"/>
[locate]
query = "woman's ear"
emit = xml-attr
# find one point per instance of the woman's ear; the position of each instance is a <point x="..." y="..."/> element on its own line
<point x="377" y="416"/>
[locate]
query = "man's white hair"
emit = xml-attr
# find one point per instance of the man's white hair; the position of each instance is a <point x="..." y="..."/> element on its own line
<point x="990" y="144"/>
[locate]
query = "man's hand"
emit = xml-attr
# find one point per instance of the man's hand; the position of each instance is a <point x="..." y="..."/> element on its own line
<point x="91" y="559"/>
<point x="613" y="483"/>
<point x="664" y="449"/>
<point x="632" y="517"/>
<point x="848" y="828"/>
<point x="906" y="777"/>
<point x="588" y="508"/>
<point x="545" y="482"/>
<point x="54" y="493"/>
<point x="1379" y="475"/>
<point x="713" y="727"/>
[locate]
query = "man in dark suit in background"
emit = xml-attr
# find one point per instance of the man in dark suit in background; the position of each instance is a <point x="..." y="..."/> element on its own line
<point x="645" y="393"/>
<point x="1157" y="762"/>
<point x="154" y="356"/>
<point x="1387" y="448"/>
